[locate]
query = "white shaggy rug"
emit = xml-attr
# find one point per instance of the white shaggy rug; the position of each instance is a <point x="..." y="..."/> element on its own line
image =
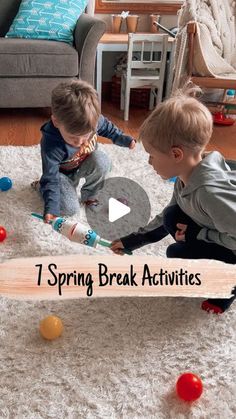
<point x="117" y="358"/>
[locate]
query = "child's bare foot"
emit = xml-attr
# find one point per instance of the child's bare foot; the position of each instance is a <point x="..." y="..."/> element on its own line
<point x="35" y="185"/>
<point x="92" y="204"/>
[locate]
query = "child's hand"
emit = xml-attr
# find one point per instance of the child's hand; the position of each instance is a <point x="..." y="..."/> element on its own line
<point x="132" y="144"/>
<point x="180" y="233"/>
<point x="48" y="218"/>
<point x="117" y="247"/>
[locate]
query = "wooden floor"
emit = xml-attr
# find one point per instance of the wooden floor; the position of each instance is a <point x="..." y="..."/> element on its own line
<point x="22" y="127"/>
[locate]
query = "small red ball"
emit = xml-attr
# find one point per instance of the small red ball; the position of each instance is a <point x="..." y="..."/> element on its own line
<point x="3" y="234"/>
<point x="189" y="387"/>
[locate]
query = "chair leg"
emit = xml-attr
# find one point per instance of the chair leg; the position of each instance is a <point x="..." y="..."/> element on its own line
<point x="127" y="100"/>
<point x="122" y="94"/>
<point x="159" y="94"/>
<point x="222" y="107"/>
<point x="151" y="99"/>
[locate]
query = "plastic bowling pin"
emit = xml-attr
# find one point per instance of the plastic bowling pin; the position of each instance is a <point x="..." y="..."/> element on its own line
<point x="77" y="232"/>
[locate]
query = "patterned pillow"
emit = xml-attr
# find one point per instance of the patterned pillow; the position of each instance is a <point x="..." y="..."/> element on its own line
<point x="47" y="19"/>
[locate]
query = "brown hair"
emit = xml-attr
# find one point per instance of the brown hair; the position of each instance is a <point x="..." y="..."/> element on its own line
<point x="75" y="104"/>
<point x="181" y="120"/>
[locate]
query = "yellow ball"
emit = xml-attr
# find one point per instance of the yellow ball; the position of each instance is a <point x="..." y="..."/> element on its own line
<point x="51" y="327"/>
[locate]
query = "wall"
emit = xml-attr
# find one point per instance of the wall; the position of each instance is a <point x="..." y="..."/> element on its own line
<point x="143" y="25"/>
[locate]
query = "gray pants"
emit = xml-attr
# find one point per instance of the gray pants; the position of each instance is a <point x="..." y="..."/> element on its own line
<point x="94" y="170"/>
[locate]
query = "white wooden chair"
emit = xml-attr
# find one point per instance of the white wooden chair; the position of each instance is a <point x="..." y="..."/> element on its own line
<point x="146" y="63"/>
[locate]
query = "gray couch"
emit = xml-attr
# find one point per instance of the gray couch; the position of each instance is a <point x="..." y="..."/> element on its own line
<point x="30" y="69"/>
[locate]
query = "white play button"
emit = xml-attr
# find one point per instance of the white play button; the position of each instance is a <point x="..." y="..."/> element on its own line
<point x="117" y="210"/>
<point x="123" y="207"/>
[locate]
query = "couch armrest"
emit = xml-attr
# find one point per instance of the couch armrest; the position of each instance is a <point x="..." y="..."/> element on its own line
<point x="87" y="33"/>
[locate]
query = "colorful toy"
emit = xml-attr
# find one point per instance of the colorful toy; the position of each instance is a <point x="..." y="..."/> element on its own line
<point x="78" y="233"/>
<point x="173" y="179"/>
<point x="229" y="103"/>
<point x="189" y="387"/>
<point x="5" y="184"/>
<point x="219" y="118"/>
<point x="3" y="234"/>
<point x="51" y="327"/>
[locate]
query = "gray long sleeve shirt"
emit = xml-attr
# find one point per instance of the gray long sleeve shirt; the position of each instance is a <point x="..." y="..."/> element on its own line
<point x="209" y="199"/>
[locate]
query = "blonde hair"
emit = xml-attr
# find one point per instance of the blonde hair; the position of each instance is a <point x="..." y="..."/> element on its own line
<point x="75" y="104"/>
<point x="181" y="120"/>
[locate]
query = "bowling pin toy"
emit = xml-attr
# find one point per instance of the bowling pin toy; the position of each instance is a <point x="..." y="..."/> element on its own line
<point x="77" y="232"/>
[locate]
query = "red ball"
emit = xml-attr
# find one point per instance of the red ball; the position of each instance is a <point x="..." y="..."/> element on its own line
<point x="189" y="387"/>
<point x="3" y="234"/>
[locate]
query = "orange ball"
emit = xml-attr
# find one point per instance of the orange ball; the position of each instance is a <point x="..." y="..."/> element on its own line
<point x="51" y="327"/>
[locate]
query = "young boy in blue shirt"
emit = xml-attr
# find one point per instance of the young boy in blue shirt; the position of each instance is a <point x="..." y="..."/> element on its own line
<point x="70" y="152"/>
<point x="201" y="215"/>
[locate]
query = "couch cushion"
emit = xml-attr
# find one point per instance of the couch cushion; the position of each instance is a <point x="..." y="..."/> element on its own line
<point x="29" y="58"/>
<point x="50" y="19"/>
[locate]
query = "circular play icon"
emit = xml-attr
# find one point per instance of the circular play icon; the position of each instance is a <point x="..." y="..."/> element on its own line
<point x="123" y="208"/>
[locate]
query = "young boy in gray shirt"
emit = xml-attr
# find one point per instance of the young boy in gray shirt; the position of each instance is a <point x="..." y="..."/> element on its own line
<point x="201" y="215"/>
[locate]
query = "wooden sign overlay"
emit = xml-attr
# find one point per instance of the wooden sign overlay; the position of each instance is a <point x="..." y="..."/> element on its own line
<point x="85" y="276"/>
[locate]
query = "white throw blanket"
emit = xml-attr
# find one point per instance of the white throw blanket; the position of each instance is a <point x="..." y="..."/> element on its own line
<point x="215" y="41"/>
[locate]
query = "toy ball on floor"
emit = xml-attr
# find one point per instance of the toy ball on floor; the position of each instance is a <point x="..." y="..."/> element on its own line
<point x="5" y="184"/>
<point x="189" y="387"/>
<point x="3" y="234"/>
<point x="51" y="327"/>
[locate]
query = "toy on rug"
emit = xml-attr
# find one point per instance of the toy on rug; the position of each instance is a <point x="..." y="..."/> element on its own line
<point x="189" y="387"/>
<point x="173" y="179"/>
<point x="51" y="327"/>
<point x="3" y="234"/>
<point x="5" y="184"/>
<point x="77" y="232"/>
